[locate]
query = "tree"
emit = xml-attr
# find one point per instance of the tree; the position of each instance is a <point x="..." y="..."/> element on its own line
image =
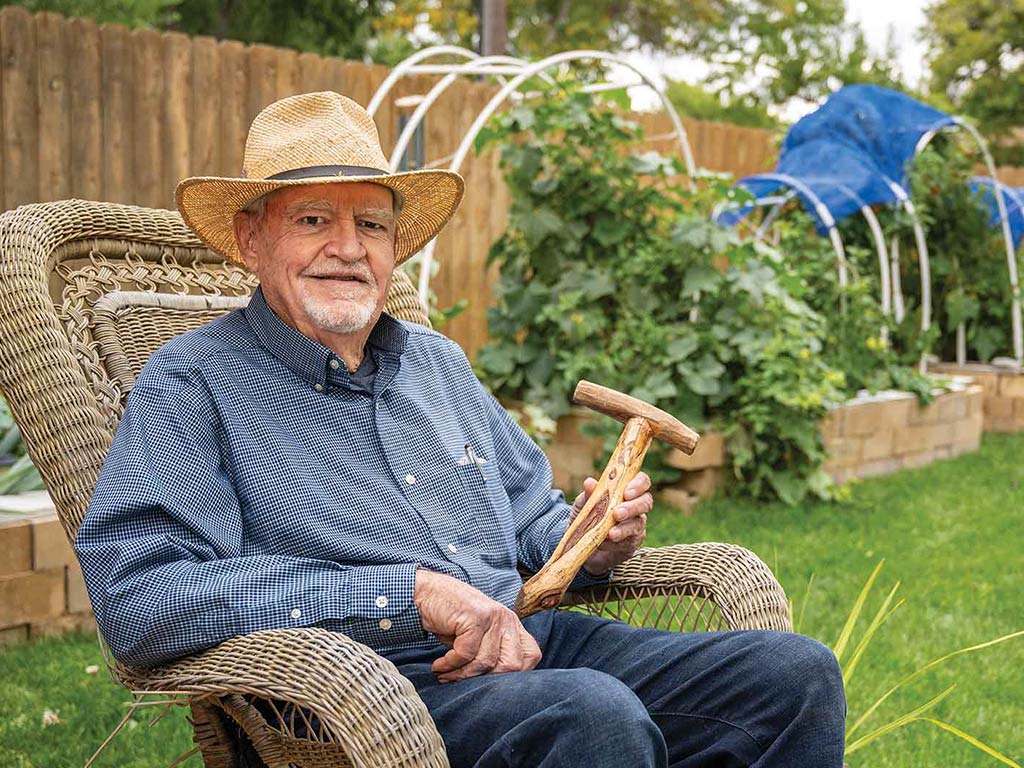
<point x="976" y="54"/>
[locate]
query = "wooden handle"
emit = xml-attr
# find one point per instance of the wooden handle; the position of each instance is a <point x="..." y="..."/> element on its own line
<point x="624" y="407"/>
<point x="590" y="527"/>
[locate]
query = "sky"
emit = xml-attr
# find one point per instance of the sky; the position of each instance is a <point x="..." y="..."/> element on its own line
<point x="876" y="17"/>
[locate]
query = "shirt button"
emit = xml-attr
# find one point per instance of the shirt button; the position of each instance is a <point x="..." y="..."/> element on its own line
<point x="452" y="548"/>
<point x="384" y="624"/>
<point x="318" y="387"/>
<point x="296" y="613"/>
<point x="410" y="479"/>
<point x="382" y="602"/>
<point x="334" y="365"/>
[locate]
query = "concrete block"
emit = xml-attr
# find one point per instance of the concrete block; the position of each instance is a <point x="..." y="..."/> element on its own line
<point x="941" y="434"/>
<point x="31" y="597"/>
<point x="50" y="545"/>
<point x="912" y="440"/>
<point x="844" y="452"/>
<point x="678" y="498"/>
<point x="710" y="452"/>
<point x="60" y="625"/>
<point x="952" y="406"/>
<point x="884" y="466"/>
<point x="13" y="635"/>
<point x="912" y="460"/>
<point x="878" y="446"/>
<point x="703" y="482"/>
<point x="1011" y="385"/>
<point x="15" y="546"/>
<point x="77" y="596"/>
<point x="863" y="419"/>
<point x="925" y="414"/>
<point x="999" y="408"/>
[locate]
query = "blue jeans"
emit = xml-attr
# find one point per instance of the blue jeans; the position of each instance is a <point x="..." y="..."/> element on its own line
<point x="610" y="695"/>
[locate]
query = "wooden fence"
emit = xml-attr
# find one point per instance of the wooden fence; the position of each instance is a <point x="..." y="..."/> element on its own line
<point x="110" y="113"/>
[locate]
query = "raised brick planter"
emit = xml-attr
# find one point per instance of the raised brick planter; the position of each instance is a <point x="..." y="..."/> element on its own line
<point x="867" y="436"/>
<point x="41" y="587"/>
<point x="1003" y="390"/>
<point x="878" y="434"/>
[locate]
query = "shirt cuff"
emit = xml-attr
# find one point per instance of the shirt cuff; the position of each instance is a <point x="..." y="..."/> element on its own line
<point x="381" y="610"/>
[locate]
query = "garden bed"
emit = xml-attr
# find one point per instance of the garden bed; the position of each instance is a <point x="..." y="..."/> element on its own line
<point x="41" y="587"/>
<point x="867" y="436"/>
<point x="1003" y="393"/>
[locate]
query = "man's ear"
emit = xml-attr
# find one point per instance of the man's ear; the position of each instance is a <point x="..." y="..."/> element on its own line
<point x="245" y="234"/>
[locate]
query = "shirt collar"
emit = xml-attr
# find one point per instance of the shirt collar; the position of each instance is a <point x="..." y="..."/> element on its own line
<point x="309" y="359"/>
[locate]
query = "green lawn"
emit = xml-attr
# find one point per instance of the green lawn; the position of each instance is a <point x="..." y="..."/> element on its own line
<point x="951" y="533"/>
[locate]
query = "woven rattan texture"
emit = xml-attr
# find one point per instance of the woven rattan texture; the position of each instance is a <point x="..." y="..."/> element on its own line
<point x="70" y="273"/>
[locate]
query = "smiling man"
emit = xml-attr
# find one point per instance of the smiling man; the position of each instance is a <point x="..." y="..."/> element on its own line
<point x="303" y="462"/>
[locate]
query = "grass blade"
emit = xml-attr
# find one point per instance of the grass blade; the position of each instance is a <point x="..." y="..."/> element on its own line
<point x="851" y="620"/>
<point x="899" y="722"/>
<point x="881" y="616"/>
<point x="971" y="740"/>
<point x="803" y="605"/>
<point x="930" y="665"/>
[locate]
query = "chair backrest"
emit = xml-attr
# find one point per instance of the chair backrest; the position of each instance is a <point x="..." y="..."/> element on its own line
<point x="88" y="291"/>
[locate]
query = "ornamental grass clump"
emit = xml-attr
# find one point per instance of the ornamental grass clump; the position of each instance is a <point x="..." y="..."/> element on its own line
<point x="850" y="651"/>
<point x="611" y="270"/>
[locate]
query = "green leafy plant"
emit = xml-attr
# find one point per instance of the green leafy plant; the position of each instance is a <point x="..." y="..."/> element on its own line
<point x="611" y="270"/>
<point x="850" y="651"/>
<point x="20" y="474"/>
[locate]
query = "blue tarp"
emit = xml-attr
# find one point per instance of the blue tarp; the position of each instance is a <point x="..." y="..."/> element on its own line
<point x="881" y="123"/>
<point x="847" y="152"/>
<point x="1013" y="198"/>
<point x="841" y="178"/>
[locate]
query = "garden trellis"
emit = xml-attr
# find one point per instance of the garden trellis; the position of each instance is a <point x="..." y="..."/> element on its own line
<point x="855" y="152"/>
<point x="520" y="72"/>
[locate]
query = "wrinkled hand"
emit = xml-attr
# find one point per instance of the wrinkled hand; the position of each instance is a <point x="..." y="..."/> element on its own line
<point x="484" y="636"/>
<point x="630" y="529"/>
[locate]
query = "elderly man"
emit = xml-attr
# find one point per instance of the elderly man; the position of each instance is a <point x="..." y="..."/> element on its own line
<point x="311" y="461"/>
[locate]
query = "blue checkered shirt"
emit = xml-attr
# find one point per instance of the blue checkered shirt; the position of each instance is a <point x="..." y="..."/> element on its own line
<point x="252" y="486"/>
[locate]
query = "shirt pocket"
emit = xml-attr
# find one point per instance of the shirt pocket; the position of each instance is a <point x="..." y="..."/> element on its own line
<point x="487" y="502"/>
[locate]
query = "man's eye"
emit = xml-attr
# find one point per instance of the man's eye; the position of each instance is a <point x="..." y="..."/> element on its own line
<point x="312" y="220"/>
<point x="376" y="225"/>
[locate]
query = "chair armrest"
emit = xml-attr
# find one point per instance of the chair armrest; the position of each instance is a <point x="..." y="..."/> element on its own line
<point x="363" y="704"/>
<point x="734" y="579"/>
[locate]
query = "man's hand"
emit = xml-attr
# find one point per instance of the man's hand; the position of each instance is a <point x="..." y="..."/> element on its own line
<point x="630" y="529"/>
<point x="484" y="636"/>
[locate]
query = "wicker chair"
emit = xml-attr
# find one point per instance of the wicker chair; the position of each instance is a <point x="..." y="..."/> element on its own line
<point x="87" y="292"/>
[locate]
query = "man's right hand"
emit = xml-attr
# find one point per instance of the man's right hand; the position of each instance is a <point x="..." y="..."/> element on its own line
<point x="483" y="635"/>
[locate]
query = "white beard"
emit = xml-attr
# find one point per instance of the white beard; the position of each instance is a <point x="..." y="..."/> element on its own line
<point x="341" y="316"/>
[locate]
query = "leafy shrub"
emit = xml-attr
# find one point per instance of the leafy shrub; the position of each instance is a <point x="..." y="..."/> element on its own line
<point x="611" y="271"/>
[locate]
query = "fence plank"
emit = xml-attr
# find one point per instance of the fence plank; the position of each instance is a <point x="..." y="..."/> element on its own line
<point x="204" y="135"/>
<point x="234" y="105"/>
<point x="20" y="113"/>
<point x="147" y="109"/>
<point x="54" y="102"/>
<point x="85" y="79"/>
<point x="178" y="114"/>
<point x="118" y="157"/>
<point x="262" y="79"/>
<point x="287" y="76"/>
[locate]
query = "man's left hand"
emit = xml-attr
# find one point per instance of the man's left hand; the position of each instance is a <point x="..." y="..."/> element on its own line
<point x="630" y="529"/>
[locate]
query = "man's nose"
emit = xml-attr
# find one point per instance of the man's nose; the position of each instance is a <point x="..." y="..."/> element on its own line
<point x="344" y="242"/>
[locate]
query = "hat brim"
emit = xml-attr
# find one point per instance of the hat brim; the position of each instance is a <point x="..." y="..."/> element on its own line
<point x="208" y="205"/>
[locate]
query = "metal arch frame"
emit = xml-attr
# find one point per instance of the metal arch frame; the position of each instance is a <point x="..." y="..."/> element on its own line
<point x="520" y="76"/>
<point x="873" y="225"/>
<point x="922" y="258"/>
<point x="407" y="64"/>
<point x="479" y="65"/>
<point x="1011" y="256"/>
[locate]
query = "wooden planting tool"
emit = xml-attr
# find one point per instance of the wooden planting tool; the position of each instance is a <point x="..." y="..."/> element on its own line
<point x="589" y="528"/>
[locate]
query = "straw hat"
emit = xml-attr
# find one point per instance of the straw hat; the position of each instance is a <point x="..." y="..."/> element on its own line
<point x="317" y="138"/>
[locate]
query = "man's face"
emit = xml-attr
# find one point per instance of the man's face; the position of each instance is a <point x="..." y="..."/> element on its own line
<point x="323" y="254"/>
